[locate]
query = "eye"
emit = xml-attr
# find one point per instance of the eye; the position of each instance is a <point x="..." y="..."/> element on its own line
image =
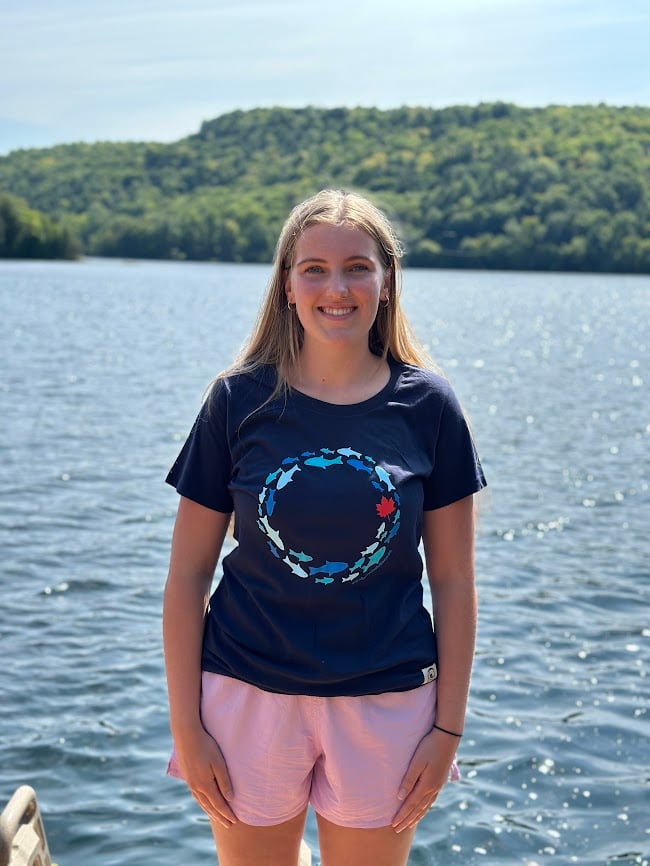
<point x="359" y="266"/>
<point x="314" y="269"/>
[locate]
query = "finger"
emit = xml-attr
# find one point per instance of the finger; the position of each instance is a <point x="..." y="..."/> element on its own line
<point x="413" y="817"/>
<point x="211" y="801"/>
<point x="419" y="802"/>
<point x="219" y="803"/>
<point x="410" y="780"/>
<point x="223" y="816"/>
<point x="409" y="808"/>
<point x="222" y="778"/>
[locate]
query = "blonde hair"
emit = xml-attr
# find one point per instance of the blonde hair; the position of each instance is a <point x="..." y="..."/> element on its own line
<point x="277" y="335"/>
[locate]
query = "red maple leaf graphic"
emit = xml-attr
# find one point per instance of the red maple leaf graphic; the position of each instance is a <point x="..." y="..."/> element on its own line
<point x="385" y="507"/>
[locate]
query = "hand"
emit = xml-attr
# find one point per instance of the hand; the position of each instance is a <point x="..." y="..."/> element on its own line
<point x="427" y="773"/>
<point x="204" y="769"/>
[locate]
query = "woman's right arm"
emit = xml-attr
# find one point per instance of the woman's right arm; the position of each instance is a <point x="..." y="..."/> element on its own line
<point x="196" y="543"/>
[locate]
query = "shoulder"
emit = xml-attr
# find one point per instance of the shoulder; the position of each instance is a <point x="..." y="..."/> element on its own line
<point x="417" y="384"/>
<point x="241" y="386"/>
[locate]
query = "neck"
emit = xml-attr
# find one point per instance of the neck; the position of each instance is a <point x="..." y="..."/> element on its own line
<point x="340" y="376"/>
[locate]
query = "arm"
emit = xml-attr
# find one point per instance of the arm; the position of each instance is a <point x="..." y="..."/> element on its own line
<point x="448" y="537"/>
<point x="196" y="544"/>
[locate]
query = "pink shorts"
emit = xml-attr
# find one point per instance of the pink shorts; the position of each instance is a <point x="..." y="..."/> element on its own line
<point x="344" y="755"/>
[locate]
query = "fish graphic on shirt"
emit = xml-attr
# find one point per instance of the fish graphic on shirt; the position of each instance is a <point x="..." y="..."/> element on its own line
<point x="329" y="568"/>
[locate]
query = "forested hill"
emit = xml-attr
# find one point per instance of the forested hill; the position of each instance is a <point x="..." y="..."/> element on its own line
<point x="492" y="186"/>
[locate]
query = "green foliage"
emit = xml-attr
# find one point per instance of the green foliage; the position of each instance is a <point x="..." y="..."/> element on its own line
<point x="488" y="186"/>
<point x="27" y="233"/>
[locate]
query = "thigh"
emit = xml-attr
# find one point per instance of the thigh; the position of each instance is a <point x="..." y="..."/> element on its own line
<point x="243" y="844"/>
<point x="381" y="846"/>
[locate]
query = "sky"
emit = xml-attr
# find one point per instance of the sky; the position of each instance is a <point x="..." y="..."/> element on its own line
<point x="154" y="70"/>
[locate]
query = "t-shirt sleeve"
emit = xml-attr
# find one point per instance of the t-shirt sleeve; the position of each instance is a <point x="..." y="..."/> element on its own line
<point x="457" y="470"/>
<point x="202" y="470"/>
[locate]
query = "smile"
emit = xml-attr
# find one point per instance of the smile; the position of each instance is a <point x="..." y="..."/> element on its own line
<point x="337" y="311"/>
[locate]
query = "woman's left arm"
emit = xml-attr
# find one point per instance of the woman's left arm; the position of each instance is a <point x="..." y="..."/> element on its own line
<point x="448" y="538"/>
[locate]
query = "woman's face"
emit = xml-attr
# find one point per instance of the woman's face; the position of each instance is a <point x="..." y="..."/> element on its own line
<point x="336" y="281"/>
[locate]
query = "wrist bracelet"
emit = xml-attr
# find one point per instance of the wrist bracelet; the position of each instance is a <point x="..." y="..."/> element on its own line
<point x="445" y="731"/>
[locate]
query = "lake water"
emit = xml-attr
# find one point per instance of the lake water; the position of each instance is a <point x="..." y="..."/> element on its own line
<point x="103" y="368"/>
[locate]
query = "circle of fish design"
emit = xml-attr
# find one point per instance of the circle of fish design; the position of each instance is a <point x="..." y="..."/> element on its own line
<point x="301" y="563"/>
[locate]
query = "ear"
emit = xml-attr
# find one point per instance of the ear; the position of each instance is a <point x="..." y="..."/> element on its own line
<point x="287" y="287"/>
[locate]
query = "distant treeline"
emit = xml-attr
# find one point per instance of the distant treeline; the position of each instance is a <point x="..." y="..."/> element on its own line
<point x="28" y="234"/>
<point x="490" y="186"/>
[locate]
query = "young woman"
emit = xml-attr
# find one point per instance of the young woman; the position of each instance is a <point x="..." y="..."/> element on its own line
<point x="313" y="674"/>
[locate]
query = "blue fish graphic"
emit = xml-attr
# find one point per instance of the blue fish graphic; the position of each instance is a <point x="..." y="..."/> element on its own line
<point x="295" y="567"/>
<point x="301" y="557"/>
<point x="329" y="568"/>
<point x="272" y="476"/>
<point x="393" y="533"/>
<point x="286" y="476"/>
<point x="385" y="477"/>
<point x="360" y="467"/>
<point x="349" y="452"/>
<point x="322" y="462"/>
<point x="273" y="549"/>
<point x="270" y="502"/>
<point x="271" y="533"/>
<point x="324" y="580"/>
<point x="376" y="558"/>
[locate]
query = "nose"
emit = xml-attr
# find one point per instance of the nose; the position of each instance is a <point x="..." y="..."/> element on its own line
<point x="337" y="283"/>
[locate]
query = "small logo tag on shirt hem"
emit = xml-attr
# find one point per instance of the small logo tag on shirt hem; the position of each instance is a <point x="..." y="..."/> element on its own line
<point x="429" y="674"/>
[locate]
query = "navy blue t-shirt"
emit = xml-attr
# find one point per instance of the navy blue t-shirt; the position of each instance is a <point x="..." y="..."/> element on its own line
<point x="322" y="594"/>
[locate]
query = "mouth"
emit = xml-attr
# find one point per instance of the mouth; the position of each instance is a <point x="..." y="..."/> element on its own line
<point x="336" y="311"/>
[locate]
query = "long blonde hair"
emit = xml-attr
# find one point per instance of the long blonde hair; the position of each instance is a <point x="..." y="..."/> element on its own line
<point x="277" y="335"/>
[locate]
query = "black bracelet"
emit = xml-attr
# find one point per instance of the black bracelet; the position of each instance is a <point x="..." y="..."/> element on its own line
<point x="445" y="731"/>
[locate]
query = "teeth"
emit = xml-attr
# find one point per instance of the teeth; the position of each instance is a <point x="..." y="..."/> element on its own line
<point x="337" y="311"/>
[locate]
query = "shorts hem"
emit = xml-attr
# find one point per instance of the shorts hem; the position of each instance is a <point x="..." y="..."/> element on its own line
<point x="255" y="820"/>
<point x="354" y="823"/>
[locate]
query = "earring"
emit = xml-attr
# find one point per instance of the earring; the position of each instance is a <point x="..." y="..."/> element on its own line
<point x="290" y="306"/>
<point x="385" y="303"/>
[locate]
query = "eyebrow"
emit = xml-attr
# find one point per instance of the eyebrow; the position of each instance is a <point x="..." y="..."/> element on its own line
<point x="324" y="261"/>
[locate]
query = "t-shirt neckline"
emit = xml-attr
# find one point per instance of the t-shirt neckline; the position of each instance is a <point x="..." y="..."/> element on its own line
<point x="324" y="407"/>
